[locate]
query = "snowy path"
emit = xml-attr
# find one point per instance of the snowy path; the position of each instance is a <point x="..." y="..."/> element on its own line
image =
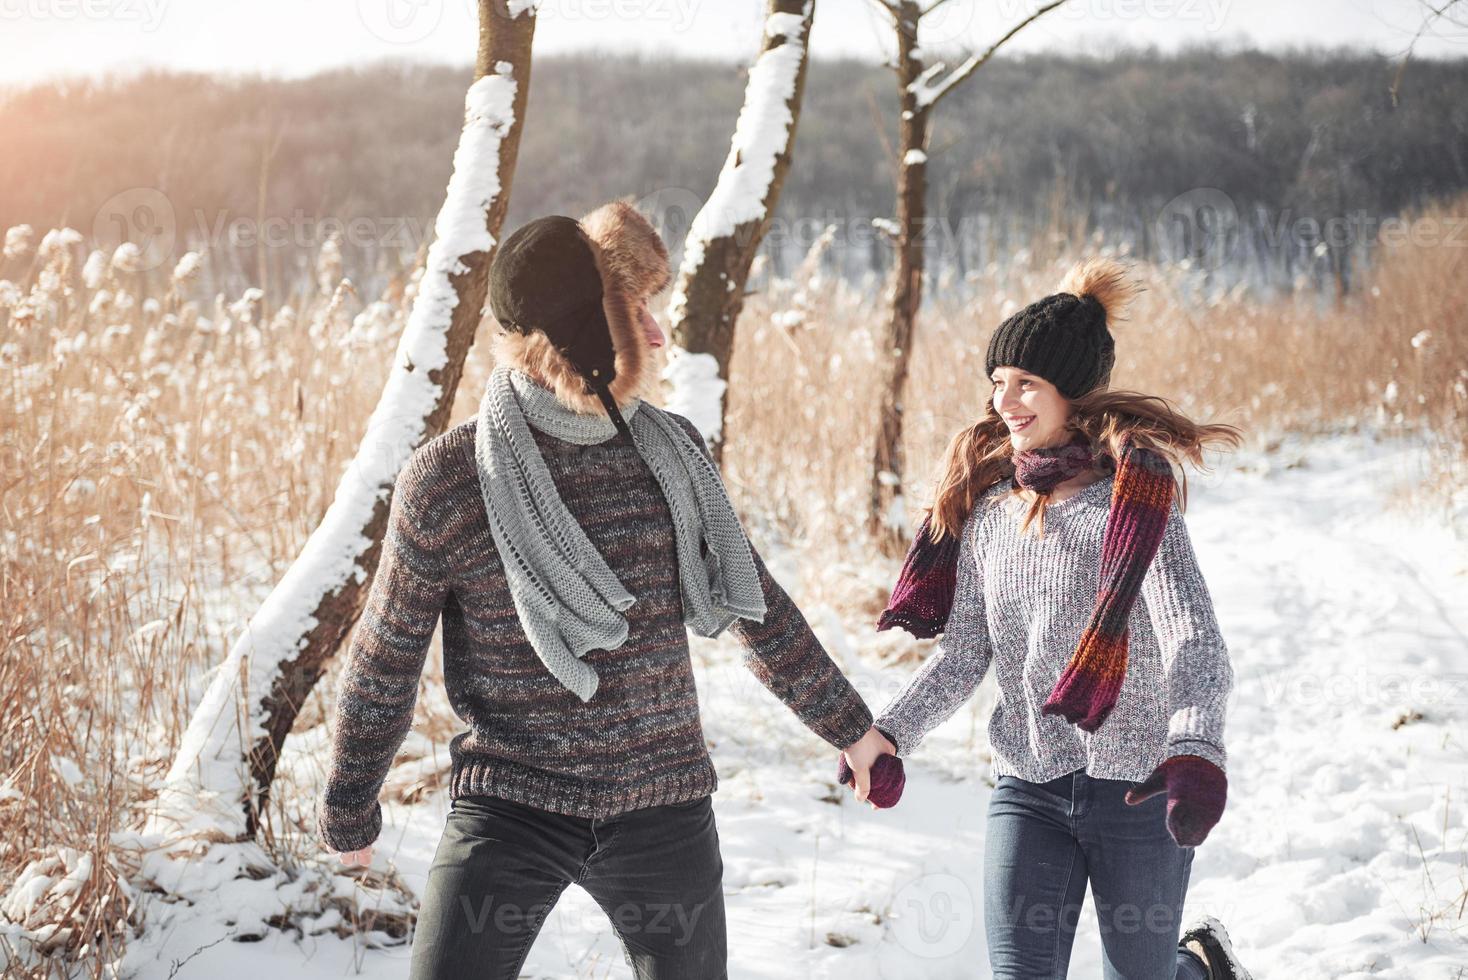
<point x="1341" y="854"/>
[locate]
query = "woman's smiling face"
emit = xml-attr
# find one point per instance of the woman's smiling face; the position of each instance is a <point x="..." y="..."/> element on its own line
<point x="1034" y="410"/>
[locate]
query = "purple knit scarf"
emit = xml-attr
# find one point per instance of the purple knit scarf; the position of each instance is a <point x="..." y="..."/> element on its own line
<point x="1042" y="470"/>
<point x="923" y="596"/>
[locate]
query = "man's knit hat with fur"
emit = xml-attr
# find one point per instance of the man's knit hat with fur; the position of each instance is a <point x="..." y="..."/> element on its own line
<point x="627" y="261"/>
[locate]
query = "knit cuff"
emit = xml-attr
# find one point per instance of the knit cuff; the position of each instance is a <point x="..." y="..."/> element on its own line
<point x="1194" y="726"/>
<point x="344" y="830"/>
<point x="1203" y="750"/>
<point x="847" y="724"/>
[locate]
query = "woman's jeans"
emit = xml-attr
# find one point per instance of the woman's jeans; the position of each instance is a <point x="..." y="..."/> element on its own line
<point x="1045" y="841"/>
<point x="501" y="866"/>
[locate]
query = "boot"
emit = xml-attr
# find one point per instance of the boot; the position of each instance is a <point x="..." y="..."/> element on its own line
<point x="1208" y="940"/>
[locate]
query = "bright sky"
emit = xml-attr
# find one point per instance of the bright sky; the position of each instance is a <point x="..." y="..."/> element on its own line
<point x="42" y="39"/>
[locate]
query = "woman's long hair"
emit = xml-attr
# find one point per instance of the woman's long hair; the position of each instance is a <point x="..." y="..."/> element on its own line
<point x="979" y="456"/>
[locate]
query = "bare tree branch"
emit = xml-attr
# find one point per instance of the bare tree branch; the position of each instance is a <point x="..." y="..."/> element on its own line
<point x="1437" y="12"/>
<point x="929" y="95"/>
<point x="879" y="127"/>
<point x="919" y="88"/>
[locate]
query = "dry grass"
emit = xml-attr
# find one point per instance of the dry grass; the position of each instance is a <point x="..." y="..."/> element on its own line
<point x="165" y="458"/>
<point x="1392" y="358"/>
<point x="165" y="462"/>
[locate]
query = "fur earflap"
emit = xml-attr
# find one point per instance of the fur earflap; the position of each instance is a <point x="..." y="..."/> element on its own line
<point x="631" y="248"/>
<point x="632" y="262"/>
<point x="1105" y="280"/>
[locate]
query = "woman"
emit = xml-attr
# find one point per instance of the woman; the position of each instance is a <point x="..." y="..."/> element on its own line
<point x="1055" y="512"/>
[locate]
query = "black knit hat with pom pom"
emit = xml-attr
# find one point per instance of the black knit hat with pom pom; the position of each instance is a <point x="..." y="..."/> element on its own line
<point x="1064" y="338"/>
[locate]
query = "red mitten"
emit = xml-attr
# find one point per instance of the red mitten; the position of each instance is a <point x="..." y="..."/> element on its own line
<point x="1196" y="791"/>
<point x="888" y="779"/>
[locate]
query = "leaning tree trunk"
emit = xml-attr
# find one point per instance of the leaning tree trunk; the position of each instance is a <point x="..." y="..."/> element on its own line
<point x="726" y="233"/>
<point x="887" y="516"/>
<point x="220" y="780"/>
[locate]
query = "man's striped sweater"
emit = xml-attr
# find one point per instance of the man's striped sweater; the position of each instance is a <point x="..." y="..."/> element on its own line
<point x="638" y="742"/>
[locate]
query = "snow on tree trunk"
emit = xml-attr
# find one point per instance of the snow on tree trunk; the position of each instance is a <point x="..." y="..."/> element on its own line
<point x="219" y="781"/>
<point x="726" y="233"/>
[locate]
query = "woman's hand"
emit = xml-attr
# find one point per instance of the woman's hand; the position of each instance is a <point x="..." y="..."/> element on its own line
<point x="857" y="760"/>
<point x="1197" y="791"/>
<point x="362" y="857"/>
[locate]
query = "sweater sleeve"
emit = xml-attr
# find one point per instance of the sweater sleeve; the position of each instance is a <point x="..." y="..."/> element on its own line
<point x="1195" y="661"/>
<point x="379" y="680"/>
<point x="951" y="674"/>
<point x="787" y="658"/>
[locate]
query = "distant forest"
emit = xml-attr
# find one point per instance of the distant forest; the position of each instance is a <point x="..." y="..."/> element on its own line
<point x="1272" y="138"/>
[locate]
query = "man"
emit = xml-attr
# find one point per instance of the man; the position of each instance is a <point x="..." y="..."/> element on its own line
<point x="569" y="534"/>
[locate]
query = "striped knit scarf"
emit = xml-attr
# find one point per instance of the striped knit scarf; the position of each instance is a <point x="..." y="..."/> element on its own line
<point x="567" y="597"/>
<point x="1141" y="499"/>
<point x="923" y="596"/>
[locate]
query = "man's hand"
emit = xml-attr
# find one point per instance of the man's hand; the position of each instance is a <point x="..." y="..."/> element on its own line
<point x="362" y="857"/>
<point x="857" y="760"/>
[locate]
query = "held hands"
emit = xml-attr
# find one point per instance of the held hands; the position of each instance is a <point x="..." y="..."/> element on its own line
<point x="871" y="767"/>
<point x="1196" y="791"/>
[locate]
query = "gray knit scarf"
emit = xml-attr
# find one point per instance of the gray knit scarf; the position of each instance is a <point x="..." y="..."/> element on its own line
<point x="568" y="599"/>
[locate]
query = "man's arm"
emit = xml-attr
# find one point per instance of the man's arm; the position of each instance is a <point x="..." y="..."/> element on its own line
<point x="785" y="655"/>
<point x="787" y="658"/>
<point x="379" y="682"/>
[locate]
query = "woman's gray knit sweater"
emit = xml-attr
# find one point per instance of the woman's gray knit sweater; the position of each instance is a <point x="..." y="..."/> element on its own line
<point x="1022" y="603"/>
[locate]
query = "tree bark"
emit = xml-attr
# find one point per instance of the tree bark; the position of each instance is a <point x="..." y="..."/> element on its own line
<point x="886" y="518"/>
<point x="919" y="92"/>
<point x="220" y="781"/>
<point x="726" y="233"/>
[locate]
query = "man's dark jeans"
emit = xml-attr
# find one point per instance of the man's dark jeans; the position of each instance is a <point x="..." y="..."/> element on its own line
<point x="501" y="866"/>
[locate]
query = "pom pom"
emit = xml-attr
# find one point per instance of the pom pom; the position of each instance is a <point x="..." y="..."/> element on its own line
<point x="1106" y="281"/>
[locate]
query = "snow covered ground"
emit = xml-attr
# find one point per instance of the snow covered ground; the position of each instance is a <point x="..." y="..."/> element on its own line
<point x="1341" y="853"/>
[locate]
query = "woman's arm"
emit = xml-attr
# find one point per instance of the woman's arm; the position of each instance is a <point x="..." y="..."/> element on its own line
<point x="1195" y="661"/>
<point x="949" y="677"/>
